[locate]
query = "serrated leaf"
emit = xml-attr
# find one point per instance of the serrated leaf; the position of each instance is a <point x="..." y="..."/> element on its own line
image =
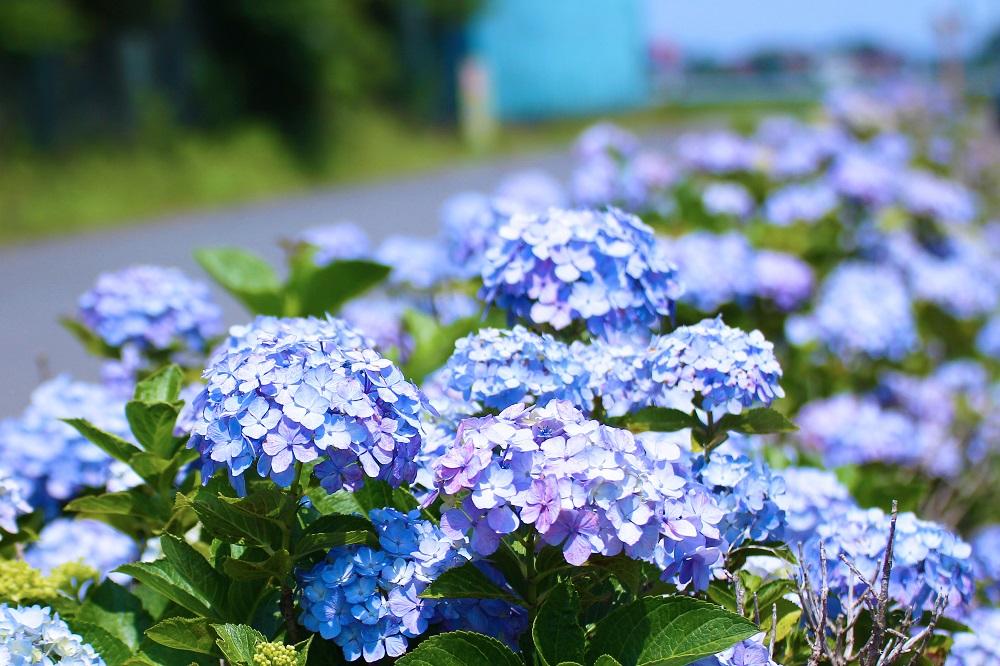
<point x="125" y="503"/>
<point x="164" y="385"/>
<point x="467" y="582"/>
<point x="277" y="565"/>
<point x="302" y="651"/>
<point x="184" y="633"/>
<point x="460" y="648"/>
<point x="556" y="631"/>
<point x="317" y="290"/>
<point x="237" y="642"/>
<point x="152" y="423"/>
<point x="113" y="445"/>
<point x="250" y="279"/>
<point x="760" y="421"/>
<point x="196" y="570"/>
<point x="738" y="557"/>
<point x="161" y="576"/>
<point x="112" y="606"/>
<point x="606" y="660"/>
<point x="667" y="631"/>
<point x="324" y="541"/>
<point x="112" y="650"/>
<point x="657" y="419"/>
<point x="235" y="522"/>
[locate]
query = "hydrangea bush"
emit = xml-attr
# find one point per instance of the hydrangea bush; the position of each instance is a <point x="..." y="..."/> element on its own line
<point x="743" y="412"/>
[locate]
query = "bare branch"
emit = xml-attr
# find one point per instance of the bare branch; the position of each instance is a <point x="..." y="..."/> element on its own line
<point x="819" y="640"/>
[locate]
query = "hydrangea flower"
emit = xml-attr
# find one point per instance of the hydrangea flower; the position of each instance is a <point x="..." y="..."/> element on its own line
<point x="335" y="242"/>
<point x="618" y="373"/>
<point x="810" y="496"/>
<point x="727" y="199"/>
<point x="986" y="560"/>
<point x="928" y="560"/>
<point x="285" y="399"/>
<point x="277" y="330"/>
<point x="12" y="502"/>
<point x="605" y="139"/>
<point x="862" y="310"/>
<point x="91" y="542"/>
<point x="748" y="494"/>
<point x="805" y="202"/>
<point x="469" y="222"/>
<point x="863" y="178"/>
<point x="419" y="263"/>
<point x="366" y="600"/>
<point x="498" y="368"/>
<point x="36" y="635"/>
<point x="381" y="319"/>
<point x="583" y="487"/>
<point x="718" y="152"/>
<point x="782" y="278"/>
<point x="847" y="429"/>
<point x="925" y="195"/>
<point x="728" y="368"/>
<point x="532" y="190"/>
<point x="715" y="268"/>
<point x="151" y="308"/>
<point x="988" y="338"/>
<point x="979" y="647"/>
<point x="750" y="652"/>
<point x="53" y="459"/>
<point x="599" y="268"/>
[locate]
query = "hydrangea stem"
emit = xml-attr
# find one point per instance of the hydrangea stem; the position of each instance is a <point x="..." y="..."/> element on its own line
<point x="288" y="520"/>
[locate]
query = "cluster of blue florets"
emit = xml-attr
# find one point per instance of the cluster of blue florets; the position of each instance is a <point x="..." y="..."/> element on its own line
<point x="602" y="269"/>
<point x="37" y="635"/>
<point x="275" y="399"/>
<point x="96" y="544"/>
<point x="13" y="502"/>
<point x="367" y="600"/>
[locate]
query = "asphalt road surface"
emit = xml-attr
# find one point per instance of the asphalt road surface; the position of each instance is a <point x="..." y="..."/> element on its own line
<point x="39" y="283"/>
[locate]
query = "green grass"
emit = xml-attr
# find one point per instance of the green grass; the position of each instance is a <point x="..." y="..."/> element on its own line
<point x="104" y="187"/>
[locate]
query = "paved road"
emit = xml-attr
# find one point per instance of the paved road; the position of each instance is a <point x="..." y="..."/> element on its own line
<point x="38" y="283"/>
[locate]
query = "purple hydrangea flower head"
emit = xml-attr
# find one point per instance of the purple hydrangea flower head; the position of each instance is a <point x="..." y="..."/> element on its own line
<point x="13" y="501"/>
<point x="782" y="278"/>
<point x="981" y="646"/>
<point x="606" y="139"/>
<point x="53" y="459"/>
<point x="335" y="242"/>
<point x="533" y="190"/>
<point x="800" y="202"/>
<point x="847" y="429"/>
<point x="986" y="560"/>
<point x="617" y="373"/>
<point x="638" y="183"/>
<point x="287" y="398"/>
<point x="862" y="310"/>
<point x="151" y="308"/>
<point x="926" y="195"/>
<point x="810" y="496"/>
<point x="419" y="263"/>
<point x="718" y="152"/>
<point x="582" y="486"/>
<point x="862" y="177"/>
<point x="366" y="600"/>
<point x="715" y="269"/>
<point x="469" y="223"/>
<point x="750" y="652"/>
<point x="728" y="368"/>
<point x="498" y="368"/>
<point x="600" y="268"/>
<point x="274" y="330"/>
<point x="928" y="560"/>
<point x="748" y="494"/>
<point x="91" y="542"/>
<point x="988" y="338"/>
<point x="727" y="199"/>
<point x="37" y="635"/>
<point x="381" y="319"/>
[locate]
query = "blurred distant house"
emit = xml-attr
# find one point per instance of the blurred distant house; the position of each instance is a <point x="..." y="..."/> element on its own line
<point x="545" y="58"/>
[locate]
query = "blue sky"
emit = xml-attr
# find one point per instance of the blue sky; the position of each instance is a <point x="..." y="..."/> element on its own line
<point x="732" y="27"/>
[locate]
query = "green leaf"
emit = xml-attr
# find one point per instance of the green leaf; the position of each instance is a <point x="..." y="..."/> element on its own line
<point x="467" y="582"/>
<point x="318" y="290"/>
<point x="196" y="570"/>
<point x="237" y="642"/>
<point x="113" y="445"/>
<point x="667" y="631"/>
<point x="125" y="503"/>
<point x="164" y="385"/>
<point x="112" y="606"/>
<point x="302" y="651"/>
<point x="250" y="279"/>
<point x="760" y="421"/>
<point x="433" y="342"/>
<point x="152" y="423"/>
<point x="738" y="557"/>
<point x="556" y="631"/>
<point x="277" y="565"/>
<point x="90" y="340"/>
<point x="161" y="576"/>
<point x="460" y="648"/>
<point x="184" y="633"/>
<point x="112" y="650"/>
<point x="235" y="521"/>
<point x="324" y="541"/>
<point x="657" y="419"/>
<point x="606" y="660"/>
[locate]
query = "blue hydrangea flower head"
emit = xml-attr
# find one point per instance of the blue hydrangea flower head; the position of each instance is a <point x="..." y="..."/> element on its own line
<point x="275" y="400"/>
<point x="782" y="278"/>
<point x="37" y="635"/>
<point x="986" y="558"/>
<point x="805" y="202"/>
<point x="599" y="268"/>
<point x="718" y="152"/>
<point x="863" y="177"/>
<point x="606" y="139"/>
<point x="862" y="310"/>
<point x="748" y="494"/>
<point x="531" y="190"/>
<point x="810" y="496"/>
<point x="151" y="308"/>
<point x="381" y="319"/>
<point x="979" y="647"/>
<point x="13" y="501"/>
<point x="53" y="459"/>
<point x="584" y="487"/>
<point x="928" y="560"/>
<point x="715" y="268"/>
<point x="727" y="199"/>
<point x="417" y="263"/>
<point x="988" y="338"/>
<point x="729" y="369"/>
<point x="498" y="368"/>
<point x="270" y="330"/>
<point x="91" y="542"/>
<point x="334" y="242"/>
<point x="926" y="195"/>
